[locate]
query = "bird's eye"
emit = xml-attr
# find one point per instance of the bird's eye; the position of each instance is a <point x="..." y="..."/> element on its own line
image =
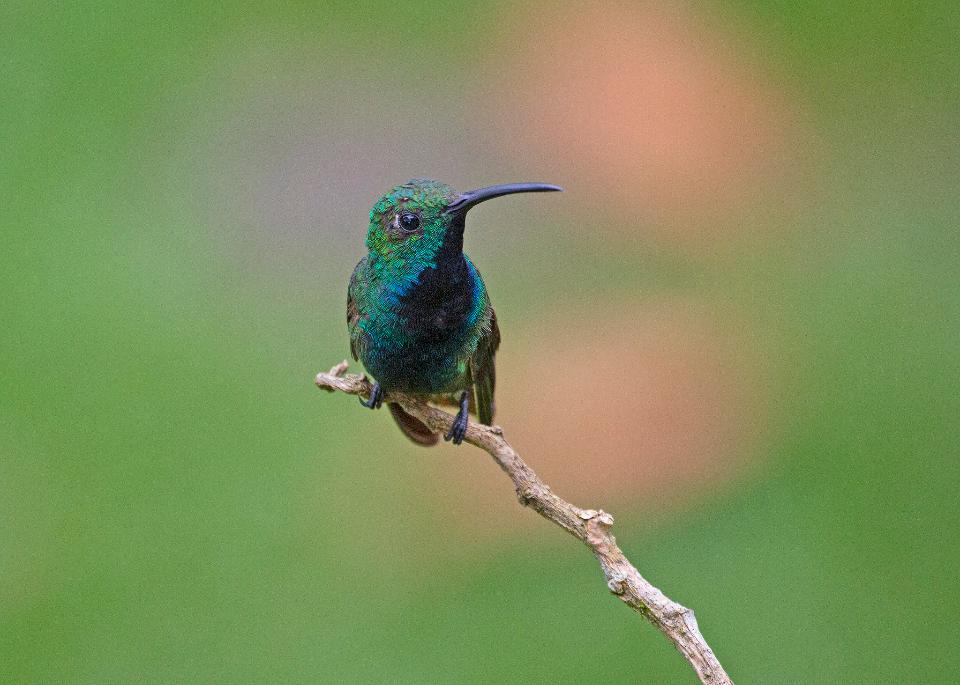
<point x="409" y="222"/>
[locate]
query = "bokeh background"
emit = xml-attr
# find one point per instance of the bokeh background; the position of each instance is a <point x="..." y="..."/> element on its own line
<point x="737" y="330"/>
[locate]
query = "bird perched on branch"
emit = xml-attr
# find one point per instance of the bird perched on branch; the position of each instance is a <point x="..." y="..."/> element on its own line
<point x="418" y="312"/>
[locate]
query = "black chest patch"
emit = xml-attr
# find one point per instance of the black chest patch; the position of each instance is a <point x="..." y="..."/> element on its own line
<point x="437" y="308"/>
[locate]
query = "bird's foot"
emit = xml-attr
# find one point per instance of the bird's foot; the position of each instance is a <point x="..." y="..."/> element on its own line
<point x="376" y="397"/>
<point x="459" y="428"/>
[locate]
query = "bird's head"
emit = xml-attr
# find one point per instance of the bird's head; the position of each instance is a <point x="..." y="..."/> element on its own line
<point x="418" y="219"/>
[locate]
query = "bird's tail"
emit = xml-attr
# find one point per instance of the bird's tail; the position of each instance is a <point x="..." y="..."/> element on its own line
<point x="413" y="427"/>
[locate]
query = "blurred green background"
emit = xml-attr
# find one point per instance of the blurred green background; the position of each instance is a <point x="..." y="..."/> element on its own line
<point x="737" y="330"/>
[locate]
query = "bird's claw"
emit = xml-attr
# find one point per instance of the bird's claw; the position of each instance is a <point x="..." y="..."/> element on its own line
<point x="458" y="430"/>
<point x="376" y="397"/>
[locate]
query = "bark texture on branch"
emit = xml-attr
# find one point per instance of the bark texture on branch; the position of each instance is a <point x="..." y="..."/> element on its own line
<point x="590" y="526"/>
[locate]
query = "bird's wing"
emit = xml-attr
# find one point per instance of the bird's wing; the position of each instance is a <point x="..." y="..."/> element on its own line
<point x="483" y="370"/>
<point x="353" y="312"/>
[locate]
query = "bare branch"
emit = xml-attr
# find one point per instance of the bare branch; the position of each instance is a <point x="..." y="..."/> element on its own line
<point x="592" y="527"/>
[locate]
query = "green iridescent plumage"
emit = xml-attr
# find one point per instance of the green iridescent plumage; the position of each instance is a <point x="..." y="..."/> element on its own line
<point x="418" y="312"/>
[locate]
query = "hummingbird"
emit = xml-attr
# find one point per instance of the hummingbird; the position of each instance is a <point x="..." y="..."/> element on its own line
<point x="418" y="312"/>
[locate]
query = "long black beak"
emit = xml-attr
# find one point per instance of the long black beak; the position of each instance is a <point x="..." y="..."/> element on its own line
<point x="475" y="197"/>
